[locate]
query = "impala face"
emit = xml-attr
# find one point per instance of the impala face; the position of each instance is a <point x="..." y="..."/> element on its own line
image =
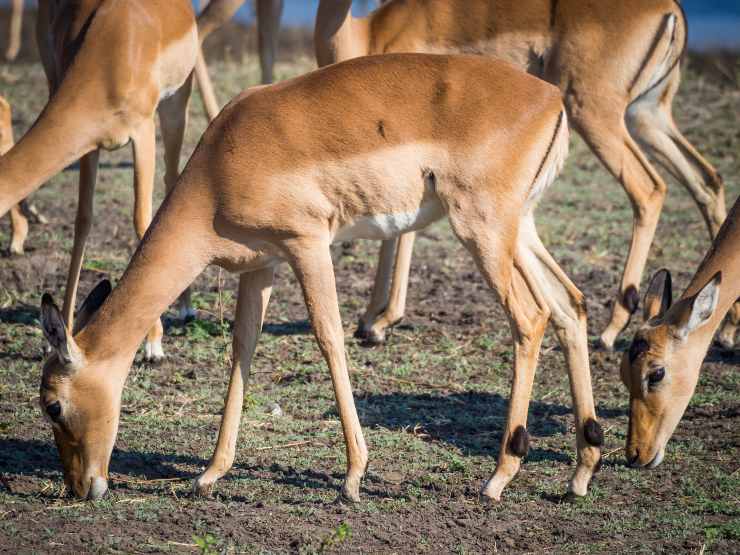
<point x="81" y="406"/>
<point x="661" y="367"/>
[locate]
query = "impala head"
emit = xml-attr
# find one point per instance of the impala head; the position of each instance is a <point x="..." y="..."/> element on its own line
<point x="661" y="367"/>
<point x="81" y="407"/>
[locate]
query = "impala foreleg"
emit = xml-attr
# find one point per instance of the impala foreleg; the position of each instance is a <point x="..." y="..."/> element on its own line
<point x="568" y="315"/>
<point x="173" y="117"/>
<point x="269" y="13"/>
<point x="144" y="145"/>
<point x="646" y="189"/>
<point x="251" y="304"/>
<point x="388" y="302"/>
<point x="83" y="223"/>
<point x="312" y="265"/>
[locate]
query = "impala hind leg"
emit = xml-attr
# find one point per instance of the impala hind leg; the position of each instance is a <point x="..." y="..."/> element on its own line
<point x="568" y="315"/>
<point x="313" y="266"/>
<point x="83" y="223"/>
<point x="388" y="301"/>
<point x="19" y="229"/>
<point x="144" y="144"/>
<point x="173" y="118"/>
<point x="251" y="304"/>
<point x="603" y="127"/>
<point x="651" y="123"/>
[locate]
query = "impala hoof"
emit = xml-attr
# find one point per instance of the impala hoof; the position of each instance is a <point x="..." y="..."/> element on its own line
<point x="201" y="488"/>
<point x="369" y="337"/>
<point x="486" y="500"/>
<point x="153" y="351"/>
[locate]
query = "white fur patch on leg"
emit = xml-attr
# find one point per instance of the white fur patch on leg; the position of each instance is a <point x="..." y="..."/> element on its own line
<point x="153" y="350"/>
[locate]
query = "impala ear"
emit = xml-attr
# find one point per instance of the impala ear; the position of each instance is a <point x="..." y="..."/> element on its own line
<point x="92" y="303"/>
<point x="702" y="306"/>
<point x="57" y="335"/>
<point x="659" y="295"/>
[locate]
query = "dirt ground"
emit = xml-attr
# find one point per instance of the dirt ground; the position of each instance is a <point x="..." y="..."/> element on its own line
<point x="432" y="401"/>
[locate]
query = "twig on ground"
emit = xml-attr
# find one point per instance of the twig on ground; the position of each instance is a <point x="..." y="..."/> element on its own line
<point x="284" y="446"/>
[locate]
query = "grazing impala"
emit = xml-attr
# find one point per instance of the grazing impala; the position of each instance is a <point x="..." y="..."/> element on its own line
<point x="355" y="150"/>
<point x="662" y="366"/>
<point x="215" y="14"/>
<point x="105" y="97"/>
<point x="616" y="64"/>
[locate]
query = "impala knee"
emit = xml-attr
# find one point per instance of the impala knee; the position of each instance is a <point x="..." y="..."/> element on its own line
<point x="519" y="442"/>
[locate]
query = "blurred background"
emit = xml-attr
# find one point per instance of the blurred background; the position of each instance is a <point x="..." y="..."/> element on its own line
<point x="714" y="25"/>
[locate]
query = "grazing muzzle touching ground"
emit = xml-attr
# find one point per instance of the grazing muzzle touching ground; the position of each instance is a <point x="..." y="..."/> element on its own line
<point x="82" y="410"/>
<point x="661" y="368"/>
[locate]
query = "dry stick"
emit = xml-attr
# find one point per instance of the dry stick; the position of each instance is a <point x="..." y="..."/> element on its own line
<point x="614" y="451"/>
<point x="153" y="481"/>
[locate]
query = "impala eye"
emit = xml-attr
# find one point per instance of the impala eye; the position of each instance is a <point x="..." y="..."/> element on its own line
<point x="656" y="377"/>
<point x="54" y="410"/>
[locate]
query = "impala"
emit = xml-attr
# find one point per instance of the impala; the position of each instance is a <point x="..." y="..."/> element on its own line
<point x="356" y="150"/>
<point x="662" y="366"/>
<point x="106" y="97"/>
<point x="617" y="66"/>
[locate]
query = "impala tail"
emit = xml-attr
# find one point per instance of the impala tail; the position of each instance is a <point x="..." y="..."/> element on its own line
<point x="665" y="54"/>
<point x="553" y="162"/>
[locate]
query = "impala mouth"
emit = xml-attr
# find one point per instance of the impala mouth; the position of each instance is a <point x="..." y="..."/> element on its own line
<point x="98" y="488"/>
<point x="657" y="459"/>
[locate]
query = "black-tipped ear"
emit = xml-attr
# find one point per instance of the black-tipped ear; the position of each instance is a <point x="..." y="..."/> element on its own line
<point x="56" y="333"/>
<point x="92" y="303"/>
<point x="659" y="295"/>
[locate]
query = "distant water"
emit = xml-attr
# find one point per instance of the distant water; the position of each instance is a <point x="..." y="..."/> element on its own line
<point x="712" y="23"/>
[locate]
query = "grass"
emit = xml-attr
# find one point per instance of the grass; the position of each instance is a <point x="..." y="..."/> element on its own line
<point x="432" y="401"/>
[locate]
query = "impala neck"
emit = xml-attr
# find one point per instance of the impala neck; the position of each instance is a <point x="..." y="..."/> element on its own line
<point x="722" y="257"/>
<point x="55" y="141"/>
<point x="177" y="247"/>
<point x="339" y="36"/>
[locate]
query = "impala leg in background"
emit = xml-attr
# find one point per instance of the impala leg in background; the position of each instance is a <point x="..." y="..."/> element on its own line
<point x="144" y="145"/>
<point x="173" y="118"/>
<point x="651" y="122"/>
<point x="83" y="223"/>
<point x="269" y="13"/>
<point x="15" y="30"/>
<point x="568" y="316"/>
<point x="610" y="140"/>
<point x="313" y="266"/>
<point x="251" y="304"/>
<point x="19" y="229"/>
<point x="388" y="302"/>
<point x="205" y="86"/>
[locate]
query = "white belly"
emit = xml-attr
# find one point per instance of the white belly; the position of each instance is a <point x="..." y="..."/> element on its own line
<point x="387" y="226"/>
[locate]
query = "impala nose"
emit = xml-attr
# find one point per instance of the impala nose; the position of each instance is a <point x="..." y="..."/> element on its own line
<point x="632" y="461"/>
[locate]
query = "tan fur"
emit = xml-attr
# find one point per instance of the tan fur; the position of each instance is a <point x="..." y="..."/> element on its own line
<point x="655" y="412"/>
<point x="466" y="133"/>
<point x="603" y="55"/>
